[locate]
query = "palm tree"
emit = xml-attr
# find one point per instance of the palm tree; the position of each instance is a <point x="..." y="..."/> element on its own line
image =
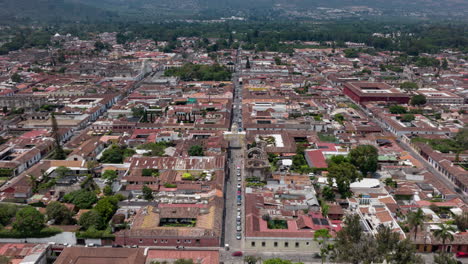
<point x="444" y="233"/>
<point x="416" y="220"/>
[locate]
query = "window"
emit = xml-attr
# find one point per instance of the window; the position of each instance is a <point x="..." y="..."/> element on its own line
<point x="178" y="241"/>
<point x="141" y="240"/>
<point x="286" y="244"/>
<point x="263" y="244"/>
<point x="253" y="244"/>
<point x="297" y="244"/>
<point x="307" y="243"/>
<point x="275" y="244"/>
<point x="155" y="241"/>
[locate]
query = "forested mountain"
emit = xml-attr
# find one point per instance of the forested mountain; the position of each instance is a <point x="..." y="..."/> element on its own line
<point x="50" y="10"/>
<point x="273" y="8"/>
<point x="156" y="10"/>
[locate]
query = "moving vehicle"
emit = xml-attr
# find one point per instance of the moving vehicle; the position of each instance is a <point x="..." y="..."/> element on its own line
<point x="461" y="254"/>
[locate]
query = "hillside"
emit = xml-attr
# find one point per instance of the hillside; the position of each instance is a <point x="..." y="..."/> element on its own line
<point x="50" y="10"/>
<point x="156" y="10"/>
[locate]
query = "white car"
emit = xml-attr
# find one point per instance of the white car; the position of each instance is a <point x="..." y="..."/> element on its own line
<point x="239" y="179"/>
<point x="239" y="228"/>
<point x="238" y="236"/>
<point x="238" y="185"/>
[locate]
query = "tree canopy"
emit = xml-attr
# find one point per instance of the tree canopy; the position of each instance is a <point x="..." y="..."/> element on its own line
<point x="343" y="174"/>
<point x="196" y="150"/>
<point x="354" y="246"/>
<point x="196" y="72"/>
<point x="83" y="199"/>
<point x="409" y="86"/>
<point x="92" y="219"/>
<point x="116" y="154"/>
<point x="28" y="221"/>
<point x="59" y="213"/>
<point x="397" y="109"/>
<point x="418" y="99"/>
<point x="365" y="158"/>
<point x="107" y="206"/>
<point x="147" y="193"/>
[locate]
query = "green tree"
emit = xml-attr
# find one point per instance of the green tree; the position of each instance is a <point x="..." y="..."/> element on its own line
<point x="460" y="220"/>
<point x="461" y="138"/>
<point x="184" y="261"/>
<point x="409" y="86"/>
<point x="107" y="190"/>
<point x="277" y="261"/>
<point x="407" y="118"/>
<point x="5" y="260"/>
<point x="444" y="64"/>
<point x="91" y="219"/>
<point x="28" y="221"/>
<point x="444" y="233"/>
<point x="16" y="78"/>
<point x="365" y="158"/>
<point x="445" y="258"/>
<point x="418" y="100"/>
<point x="138" y="111"/>
<point x="99" y="46"/>
<point x="416" y="220"/>
<point x="386" y="241"/>
<point x="405" y="253"/>
<point x="328" y="193"/>
<point x="338" y="159"/>
<point x="351" y="53"/>
<point x="322" y="236"/>
<point x="277" y="60"/>
<point x="59" y="213"/>
<point x="147" y="193"/>
<point x="397" y="109"/>
<point x="59" y="153"/>
<point x="325" y="208"/>
<point x="343" y="174"/>
<point x="116" y="154"/>
<point x="110" y="175"/>
<point x="7" y="212"/>
<point x="83" y="199"/>
<point x="106" y="207"/>
<point x="62" y="171"/>
<point x="195" y="150"/>
<point x="352" y="245"/>
<point x="251" y="259"/>
<point x="339" y="118"/>
<point x="61" y="57"/>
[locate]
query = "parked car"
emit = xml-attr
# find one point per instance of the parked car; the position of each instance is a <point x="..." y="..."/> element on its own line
<point x="237" y="254"/>
<point x="239" y="228"/>
<point x="461" y="254"/>
<point x="238" y="236"/>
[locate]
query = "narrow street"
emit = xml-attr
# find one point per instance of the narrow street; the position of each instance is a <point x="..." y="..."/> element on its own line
<point x="235" y="165"/>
